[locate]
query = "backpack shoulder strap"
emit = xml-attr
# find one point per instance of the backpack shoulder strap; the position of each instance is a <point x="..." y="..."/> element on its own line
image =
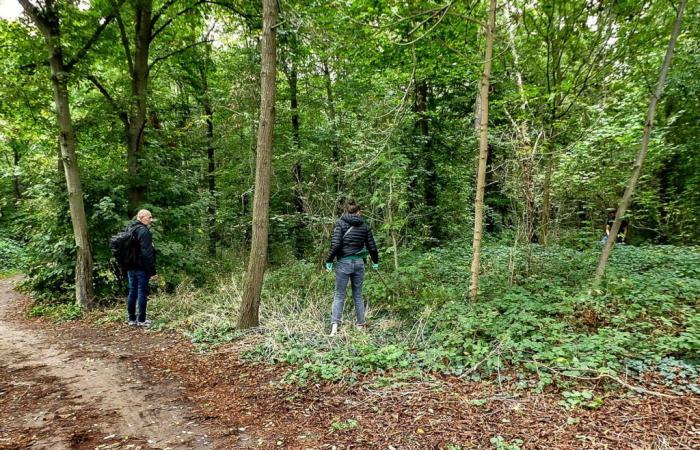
<point x="349" y="230"/>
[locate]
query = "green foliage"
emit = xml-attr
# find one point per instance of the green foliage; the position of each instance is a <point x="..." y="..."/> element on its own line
<point x="11" y="255"/>
<point x="58" y="312"/>
<point x="500" y="443"/>
<point x="584" y="398"/>
<point x="549" y="321"/>
<point x="343" y="425"/>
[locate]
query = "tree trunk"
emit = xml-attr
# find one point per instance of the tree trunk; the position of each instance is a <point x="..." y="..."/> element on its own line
<point x="299" y="243"/>
<point x="422" y="127"/>
<point x="211" y="169"/>
<point x="137" y="114"/>
<point x="637" y="168"/>
<point x="546" y="190"/>
<point x="16" y="186"/>
<point x="335" y="145"/>
<point x="524" y="150"/>
<point x="257" y="262"/>
<point x="48" y="23"/>
<point x="483" y="154"/>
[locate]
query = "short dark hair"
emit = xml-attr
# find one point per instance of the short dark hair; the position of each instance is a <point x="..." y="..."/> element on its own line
<point x="351" y="206"/>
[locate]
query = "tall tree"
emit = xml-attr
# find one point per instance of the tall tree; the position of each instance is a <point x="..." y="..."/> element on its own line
<point x="48" y="21"/>
<point x="148" y="25"/>
<point x="250" y="305"/>
<point x="291" y="72"/>
<point x="483" y="153"/>
<point x="637" y="167"/>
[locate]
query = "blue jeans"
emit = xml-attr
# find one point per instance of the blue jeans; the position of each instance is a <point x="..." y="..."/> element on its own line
<point x="353" y="270"/>
<point x="138" y="288"/>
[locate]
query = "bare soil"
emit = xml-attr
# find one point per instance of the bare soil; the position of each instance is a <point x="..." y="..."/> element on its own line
<point x="80" y="385"/>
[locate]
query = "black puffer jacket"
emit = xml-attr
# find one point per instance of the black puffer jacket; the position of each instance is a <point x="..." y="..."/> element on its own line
<point x="355" y="240"/>
<point x="146" y="256"/>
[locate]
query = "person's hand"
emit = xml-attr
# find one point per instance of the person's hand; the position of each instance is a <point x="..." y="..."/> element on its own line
<point x="329" y="267"/>
<point x="375" y="266"/>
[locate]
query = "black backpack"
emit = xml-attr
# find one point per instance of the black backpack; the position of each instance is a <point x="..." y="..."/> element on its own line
<point x="124" y="247"/>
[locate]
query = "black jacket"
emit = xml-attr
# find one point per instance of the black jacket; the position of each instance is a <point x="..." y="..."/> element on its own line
<point x="355" y="240"/>
<point x="146" y="256"/>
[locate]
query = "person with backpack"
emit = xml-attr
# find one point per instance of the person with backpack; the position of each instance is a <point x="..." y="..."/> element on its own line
<point x="351" y="242"/>
<point x="141" y="267"/>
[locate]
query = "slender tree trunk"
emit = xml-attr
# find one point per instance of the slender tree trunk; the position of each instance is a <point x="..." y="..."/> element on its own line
<point x="483" y="154"/>
<point x="16" y="186"/>
<point x="546" y="190"/>
<point x="422" y="127"/>
<point x="390" y="221"/>
<point x="335" y="145"/>
<point x="299" y="243"/>
<point x="136" y="123"/>
<point x="211" y="169"/>
<point x="48" y="23"/>
<point x="637" y="168"/>
<point x="258" y="251"/>
<point x="524" y="150"/>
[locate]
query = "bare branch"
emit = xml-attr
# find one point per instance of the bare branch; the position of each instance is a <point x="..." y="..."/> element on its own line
<point x="170" y="20"/>
<point x="175" y="52"/>
<point x="161" y="11"/>
<point x="36" y="14"/>
<point x="100" y="87"/>
<point x="190" y="8"/>
<point x="104" y="22"/>
<point x="125" y="43"/>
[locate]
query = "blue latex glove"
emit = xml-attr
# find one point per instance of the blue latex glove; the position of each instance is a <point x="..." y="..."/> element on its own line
<point x="375" y="266"/>
<point x="329" y="267"/>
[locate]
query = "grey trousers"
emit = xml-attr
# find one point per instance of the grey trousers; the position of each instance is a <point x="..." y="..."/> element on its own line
<point x="353" y="270"/>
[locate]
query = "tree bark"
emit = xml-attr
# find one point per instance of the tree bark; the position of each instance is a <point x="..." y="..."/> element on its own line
<point x="48" y="23"/>
<point x="637" y="167"/>
<point x="136" y="124"/>
<point x="335" y="145"/>
<point x="250" y="305"/>
<point x="422" y="127"/>
<point x="483" y="154"/>
<point x="16" y="186"/>
<point x="211" y="169"/>
<point x="292" y="79"/>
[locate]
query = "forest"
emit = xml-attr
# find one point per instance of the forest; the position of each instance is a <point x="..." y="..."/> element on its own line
<point x="530" y="171"/>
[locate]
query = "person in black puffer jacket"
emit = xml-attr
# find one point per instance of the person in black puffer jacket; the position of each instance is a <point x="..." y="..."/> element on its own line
<point x="142" y="269"/>
<point x="351" y="242"/>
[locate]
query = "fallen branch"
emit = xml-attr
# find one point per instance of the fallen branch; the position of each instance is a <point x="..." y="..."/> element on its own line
<point x="600" y="376"/>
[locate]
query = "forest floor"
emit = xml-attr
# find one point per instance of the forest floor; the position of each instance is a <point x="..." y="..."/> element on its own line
<point x="83" y="385"/>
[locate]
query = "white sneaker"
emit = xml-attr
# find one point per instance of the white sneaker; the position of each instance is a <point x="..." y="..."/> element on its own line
<point x="334" y="329"/>
<point x="146" y="323"/>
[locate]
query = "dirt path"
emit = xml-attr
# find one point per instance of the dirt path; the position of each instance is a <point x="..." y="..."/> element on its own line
<point x="55" y="395"/>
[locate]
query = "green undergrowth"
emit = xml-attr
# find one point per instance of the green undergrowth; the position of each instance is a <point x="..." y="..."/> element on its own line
<point x="60" y="312"/>
<point x="11" y="256"/>
<point x="538" y="315"/>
